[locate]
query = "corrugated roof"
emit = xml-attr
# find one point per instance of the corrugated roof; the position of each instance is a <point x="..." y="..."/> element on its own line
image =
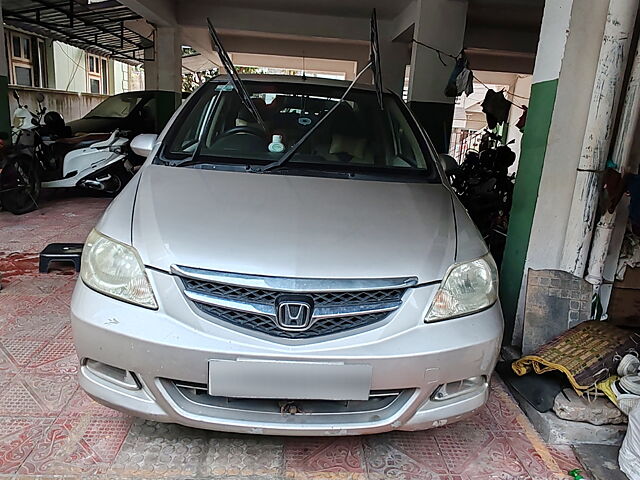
<point x="98" y="27"/>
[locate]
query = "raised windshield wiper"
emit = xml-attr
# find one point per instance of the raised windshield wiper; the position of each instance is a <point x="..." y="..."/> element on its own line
<point x="239" y="87"/>
<point x="374" y="64"/>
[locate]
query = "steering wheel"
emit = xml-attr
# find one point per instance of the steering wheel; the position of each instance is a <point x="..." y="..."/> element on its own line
<point x="246" y="129"/>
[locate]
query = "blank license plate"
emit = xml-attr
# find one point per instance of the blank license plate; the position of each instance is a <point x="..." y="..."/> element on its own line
<point x="289" y="380"/>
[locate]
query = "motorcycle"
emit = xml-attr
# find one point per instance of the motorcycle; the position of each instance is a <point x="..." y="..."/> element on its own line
<point x="485" y="188"/>
<point x="20" y="184"/>
<point x="45" y="149"/>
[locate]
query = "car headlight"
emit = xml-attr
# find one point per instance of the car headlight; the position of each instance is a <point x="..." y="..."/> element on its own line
<point x="115" y="269"/>
<point x="467" y="288"/>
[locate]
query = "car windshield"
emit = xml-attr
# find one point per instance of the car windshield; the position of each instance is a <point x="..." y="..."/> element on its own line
<point x="358" y="137"/>
<point x="118" y="106"/>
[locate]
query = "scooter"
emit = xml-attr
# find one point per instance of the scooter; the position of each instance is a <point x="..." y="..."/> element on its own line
<point x="93" y="161"/>
<point x="100" y="165"/>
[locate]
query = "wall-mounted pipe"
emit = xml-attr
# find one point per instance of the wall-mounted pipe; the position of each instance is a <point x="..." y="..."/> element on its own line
<point x="621" y="155"/>
<point x="604" y="101"/>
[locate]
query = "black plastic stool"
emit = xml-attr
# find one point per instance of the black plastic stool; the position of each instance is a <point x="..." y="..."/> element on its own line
<point x="61" y="252"/>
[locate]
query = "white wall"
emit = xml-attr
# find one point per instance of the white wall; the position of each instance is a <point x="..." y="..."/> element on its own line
<point x="120" y="77"/>
<point x="70" y="68"/>
<point x="522" y="88"/>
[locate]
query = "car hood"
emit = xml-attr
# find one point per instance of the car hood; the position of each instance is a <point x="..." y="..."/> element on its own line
<point x="292" y="226"/>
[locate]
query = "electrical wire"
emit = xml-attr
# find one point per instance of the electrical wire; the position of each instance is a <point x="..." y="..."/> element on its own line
<point x="442" y="53"/>
<point x="75" y="70"/>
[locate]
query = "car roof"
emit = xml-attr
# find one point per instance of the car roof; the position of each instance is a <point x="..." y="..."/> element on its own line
<point x="296" y="80"/>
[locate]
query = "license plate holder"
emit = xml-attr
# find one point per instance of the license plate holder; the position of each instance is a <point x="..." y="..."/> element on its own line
<point x="289" y="380"/>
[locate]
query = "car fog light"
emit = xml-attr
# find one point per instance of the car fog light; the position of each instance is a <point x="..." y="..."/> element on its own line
<point x="456" y="389"/>
<point x="115" y="375"/>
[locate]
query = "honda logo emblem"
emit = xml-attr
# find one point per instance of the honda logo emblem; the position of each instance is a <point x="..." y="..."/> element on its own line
<point x="294" y="314"/>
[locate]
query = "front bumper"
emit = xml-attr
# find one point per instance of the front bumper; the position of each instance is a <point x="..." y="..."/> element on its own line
<point x="405" y="356"/>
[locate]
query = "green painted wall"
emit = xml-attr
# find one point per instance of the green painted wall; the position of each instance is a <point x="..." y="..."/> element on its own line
<point x="525" y="195"/>
<point x="5" y="114"/>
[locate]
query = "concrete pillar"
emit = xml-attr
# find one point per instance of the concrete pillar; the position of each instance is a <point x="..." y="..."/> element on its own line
<point x="563" y="80"/>
<point x="5" y="115"/>
<point x="163" y="72"/>
<point x="394" y="57"/>
<point x="441" y="24"/>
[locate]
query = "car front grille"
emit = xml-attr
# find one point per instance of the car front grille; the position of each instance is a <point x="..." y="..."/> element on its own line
<point x="260" y="295"/>
<point x="264" y="324"/>
<point x="251" y="302"/>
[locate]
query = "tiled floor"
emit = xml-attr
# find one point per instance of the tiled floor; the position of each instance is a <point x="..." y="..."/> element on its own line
<point x="49" y="428"/>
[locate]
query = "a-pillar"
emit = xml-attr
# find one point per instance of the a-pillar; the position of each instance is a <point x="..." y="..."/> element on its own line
<point x="163" y="72"/>
<point x="563" y="80"/>
<point x="5" y="116"/>
<point x="440" y="24"/>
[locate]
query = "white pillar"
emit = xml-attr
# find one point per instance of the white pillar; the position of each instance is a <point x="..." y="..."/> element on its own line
<point x="441" y="24"/>
<point x="595" y="147"/>
<point x="563" y="79"/>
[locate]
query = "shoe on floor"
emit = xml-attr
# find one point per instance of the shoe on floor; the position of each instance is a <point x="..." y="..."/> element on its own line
<point x="631" y="383"/>
<point x="629" y="365"/>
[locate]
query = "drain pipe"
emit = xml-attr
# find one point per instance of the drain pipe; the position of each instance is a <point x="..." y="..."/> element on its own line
<point x="593" y="157"/>
<point x="622" y="156"/>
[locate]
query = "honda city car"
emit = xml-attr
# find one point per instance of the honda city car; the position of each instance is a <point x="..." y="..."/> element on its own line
<point x="288" y="262"/>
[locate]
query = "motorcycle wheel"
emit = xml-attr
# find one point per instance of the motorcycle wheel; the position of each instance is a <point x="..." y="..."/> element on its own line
<point x="119" y="178"/>
<point x="20" y="185"/>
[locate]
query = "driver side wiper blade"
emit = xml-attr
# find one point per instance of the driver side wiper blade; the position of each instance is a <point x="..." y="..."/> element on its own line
<point x="239" y="87"/>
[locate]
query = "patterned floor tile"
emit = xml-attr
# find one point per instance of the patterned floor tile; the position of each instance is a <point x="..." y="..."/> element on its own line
<point x="233" y="455"/>
<point x="535" y="457"/>
<point x="44" y="325"/>
<point x="36" y="285"/>
<point x="77" y="446"/>
<point x="312" y="457"/>
<point x="503" y="407"/>
<point x="82" y="404"/>
<point x="160" y="450"/>
<point x="19" y="352"/>
<point x="57" y="357"/>
<point x="18" y="437"/>
<point x="30" y="395"/>
<point x="6" y="365"/>
<point x="49" y="428"/>
<point x="387" y="457"/>
<point x="17" y="307"/>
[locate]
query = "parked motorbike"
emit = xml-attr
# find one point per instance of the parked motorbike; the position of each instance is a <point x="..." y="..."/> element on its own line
<point x="49" y="157"/>
<point x="485" y="188"/>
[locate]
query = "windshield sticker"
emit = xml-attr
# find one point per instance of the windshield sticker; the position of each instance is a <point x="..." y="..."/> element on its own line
<point x="304" y="121"/>
<point x="224" y="88"/>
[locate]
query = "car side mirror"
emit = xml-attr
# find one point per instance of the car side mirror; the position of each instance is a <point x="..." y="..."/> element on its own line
<point x="449" y="164"/>
<point x="143" y="144"/>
